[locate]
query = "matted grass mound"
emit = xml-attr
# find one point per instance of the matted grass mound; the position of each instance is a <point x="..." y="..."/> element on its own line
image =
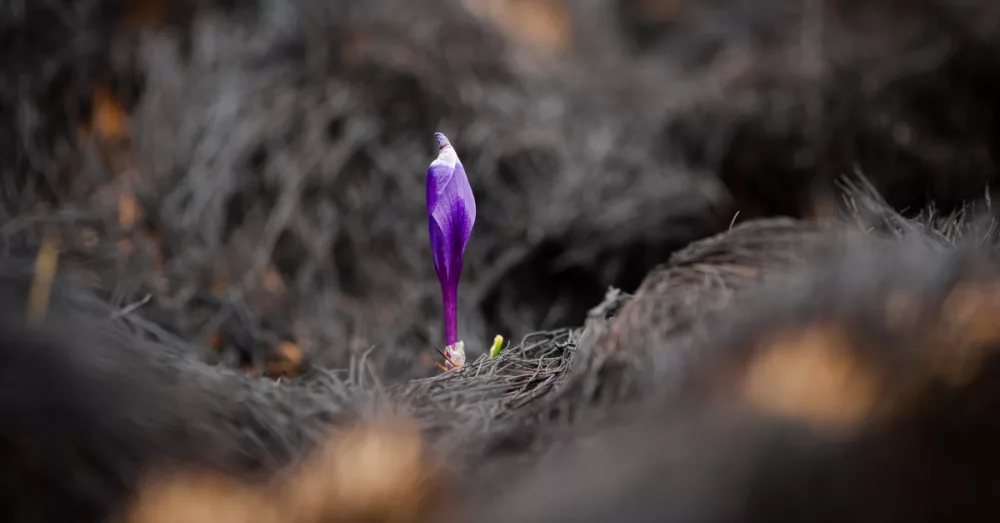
<point x="255" y="168"/>
<point x="855" y="336"/>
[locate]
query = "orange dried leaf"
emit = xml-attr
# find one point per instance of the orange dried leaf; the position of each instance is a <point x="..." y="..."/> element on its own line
<point x="542" y="25"/>
<point x="812" y="376"/>
<point x="380" y="471"/>
<point x="291" y="352"/>
<point x="46" y="264"/>
<point x="128" y="210"/>
<point x="287" y="361"/>
<point x="109" y="120"/>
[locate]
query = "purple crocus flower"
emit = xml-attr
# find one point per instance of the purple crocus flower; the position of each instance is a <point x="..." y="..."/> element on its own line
<point x="451" y="212"/>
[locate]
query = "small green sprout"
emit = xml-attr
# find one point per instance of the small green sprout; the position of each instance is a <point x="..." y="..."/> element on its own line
<point x="497" y="345"/>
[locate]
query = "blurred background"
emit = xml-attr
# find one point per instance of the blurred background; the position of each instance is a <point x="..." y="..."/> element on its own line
<point x="249" y="174"/>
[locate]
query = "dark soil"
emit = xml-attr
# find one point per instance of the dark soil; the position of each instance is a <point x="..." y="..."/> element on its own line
<point x="235" y="193"/>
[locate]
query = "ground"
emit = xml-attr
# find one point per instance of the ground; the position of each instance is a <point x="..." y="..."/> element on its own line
<point x="217" y="207"/>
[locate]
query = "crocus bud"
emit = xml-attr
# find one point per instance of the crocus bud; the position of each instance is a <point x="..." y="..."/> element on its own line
<point x="451" y="212"/>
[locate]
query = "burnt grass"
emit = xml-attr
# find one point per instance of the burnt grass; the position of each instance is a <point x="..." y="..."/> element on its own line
<point x="236" y="189"/>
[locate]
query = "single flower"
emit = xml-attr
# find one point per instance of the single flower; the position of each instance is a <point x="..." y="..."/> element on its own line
<point x="451" y="213"/>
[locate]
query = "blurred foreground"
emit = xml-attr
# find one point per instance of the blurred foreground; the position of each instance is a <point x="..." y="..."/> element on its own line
<point x="199" y="197"/>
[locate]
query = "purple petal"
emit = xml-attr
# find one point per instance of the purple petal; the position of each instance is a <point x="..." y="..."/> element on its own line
<point x="451" y="210"/>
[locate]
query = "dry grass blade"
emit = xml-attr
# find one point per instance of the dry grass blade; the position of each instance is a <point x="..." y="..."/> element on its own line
<point x="46" y="265"/>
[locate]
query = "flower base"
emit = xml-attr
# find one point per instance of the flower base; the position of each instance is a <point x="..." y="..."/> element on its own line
<point x="455" y="355"/>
